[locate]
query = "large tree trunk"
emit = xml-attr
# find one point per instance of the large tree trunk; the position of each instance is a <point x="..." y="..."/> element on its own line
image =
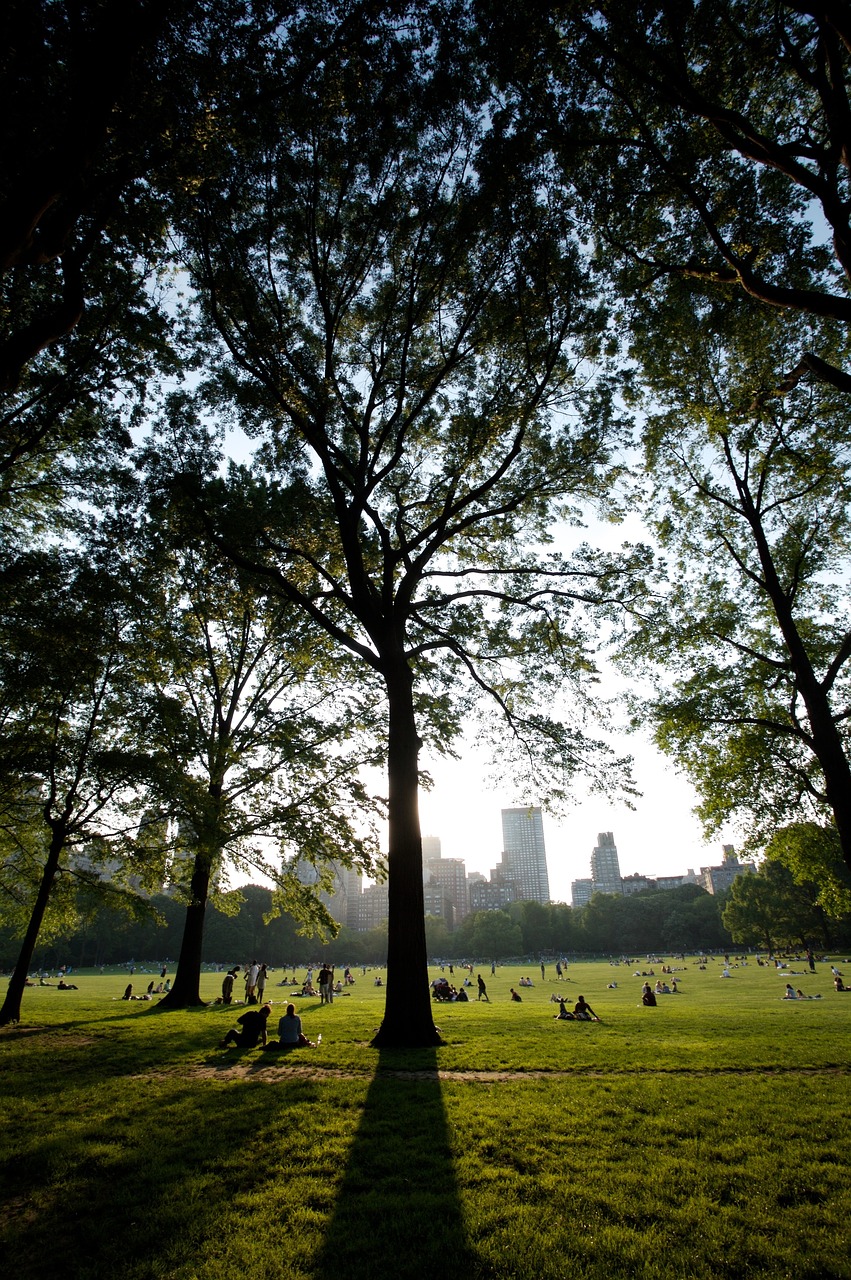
<point x="408" y="1021"/>
<point x="186" y="991"/>
<point x="11" y="1011"/>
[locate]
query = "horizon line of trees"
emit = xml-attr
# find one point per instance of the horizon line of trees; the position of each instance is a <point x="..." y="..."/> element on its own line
<point x="766" y="911"/>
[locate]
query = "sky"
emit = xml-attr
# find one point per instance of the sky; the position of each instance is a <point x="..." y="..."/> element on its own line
<point x="660" y="836"/>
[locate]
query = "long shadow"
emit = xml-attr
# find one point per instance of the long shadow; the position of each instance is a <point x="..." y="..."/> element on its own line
<point x="398" y="1210"/>
<point x="158" y="1179"/>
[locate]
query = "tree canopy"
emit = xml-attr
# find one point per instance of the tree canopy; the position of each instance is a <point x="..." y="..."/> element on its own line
<point x="405" y="322"/>
<point x="434" y="267"/>
<point x="709" y="146"/>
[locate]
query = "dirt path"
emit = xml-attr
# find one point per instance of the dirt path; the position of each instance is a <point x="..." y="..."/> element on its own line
<point x="274" y="1071"/>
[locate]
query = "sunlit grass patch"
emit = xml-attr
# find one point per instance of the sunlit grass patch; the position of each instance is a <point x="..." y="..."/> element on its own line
<point x="706" y="1138"/>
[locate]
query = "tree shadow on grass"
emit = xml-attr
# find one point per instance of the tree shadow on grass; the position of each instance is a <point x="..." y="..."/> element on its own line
<point x="398" y="1210"/>
<point x="144" y="1194"/>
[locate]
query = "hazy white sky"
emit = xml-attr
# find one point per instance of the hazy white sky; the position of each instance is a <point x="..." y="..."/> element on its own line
<point x="660" y="836"/>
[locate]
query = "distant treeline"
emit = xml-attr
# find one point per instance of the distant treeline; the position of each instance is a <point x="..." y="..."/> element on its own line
<point x="682" y="919"/>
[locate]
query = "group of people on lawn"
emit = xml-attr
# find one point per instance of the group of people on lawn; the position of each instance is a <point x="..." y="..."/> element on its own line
<point x="255" y="977"/>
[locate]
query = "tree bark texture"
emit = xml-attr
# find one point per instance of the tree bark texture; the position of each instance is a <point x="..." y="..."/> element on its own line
<point x="186" y="989"/>
<point x="408" y="1021"/>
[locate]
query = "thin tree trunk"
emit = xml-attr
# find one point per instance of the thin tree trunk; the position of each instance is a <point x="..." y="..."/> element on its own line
<point x="827" y="744"/>
<point x="186" y="990"/>
<point x="11" y="1011"/>
<point x="408" y="1021"/>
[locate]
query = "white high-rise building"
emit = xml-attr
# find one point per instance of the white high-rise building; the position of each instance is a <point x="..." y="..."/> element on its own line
<point x="524" y="856"/>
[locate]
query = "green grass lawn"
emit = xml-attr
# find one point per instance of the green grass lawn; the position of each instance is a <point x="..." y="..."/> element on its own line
<point x="705" y="1138"/>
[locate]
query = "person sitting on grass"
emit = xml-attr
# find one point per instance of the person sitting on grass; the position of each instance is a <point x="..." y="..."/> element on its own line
<point x="648" y="997"/>
<point x="515" y="996"/>
<point x="564" y="1014"/>
<point x="253" y="1025"/>
<point x="839" y="985"/>
<point x="290" y="1034"/>
<point x="583" y="1012"/>
<point x="62" y="985"/>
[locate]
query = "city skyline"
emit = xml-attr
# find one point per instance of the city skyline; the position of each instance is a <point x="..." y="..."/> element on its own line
<point x="659" y="837"/>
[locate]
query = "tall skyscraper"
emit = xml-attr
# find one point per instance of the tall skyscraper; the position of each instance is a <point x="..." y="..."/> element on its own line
<point x="431" y="847"/>
<point x="605" y="867"/>
<point x="524" y="857"/>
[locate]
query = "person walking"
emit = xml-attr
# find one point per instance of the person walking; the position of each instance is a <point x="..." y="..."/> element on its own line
<point x="483" y="991"/>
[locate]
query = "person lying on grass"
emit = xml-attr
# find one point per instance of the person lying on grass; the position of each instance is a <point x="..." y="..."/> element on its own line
<point x="290" y="1034"/>
<point x="253" y="1025"/>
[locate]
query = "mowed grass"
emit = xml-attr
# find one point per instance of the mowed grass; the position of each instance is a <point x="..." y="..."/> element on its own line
<point x="708" y="1137"/>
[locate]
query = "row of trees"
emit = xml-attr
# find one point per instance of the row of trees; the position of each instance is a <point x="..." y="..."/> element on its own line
<point x="435" y="268"/>
<point x="246" y="927"/>
<point x="684" y="919"/>
<point x="770" y="911"/>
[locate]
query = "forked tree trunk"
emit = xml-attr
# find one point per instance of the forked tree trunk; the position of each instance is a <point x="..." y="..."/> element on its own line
<point x="408" y="1021"/>
<point x="186" y="990"/>
<point x="11" y="1011"/>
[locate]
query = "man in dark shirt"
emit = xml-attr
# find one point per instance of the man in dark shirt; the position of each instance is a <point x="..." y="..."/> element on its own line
<point x="253" y="1025"/>
<point x="326" y="988"/>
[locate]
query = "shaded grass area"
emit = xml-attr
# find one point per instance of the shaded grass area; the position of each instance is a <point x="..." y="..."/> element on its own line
<point x="708" y="1141"/>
